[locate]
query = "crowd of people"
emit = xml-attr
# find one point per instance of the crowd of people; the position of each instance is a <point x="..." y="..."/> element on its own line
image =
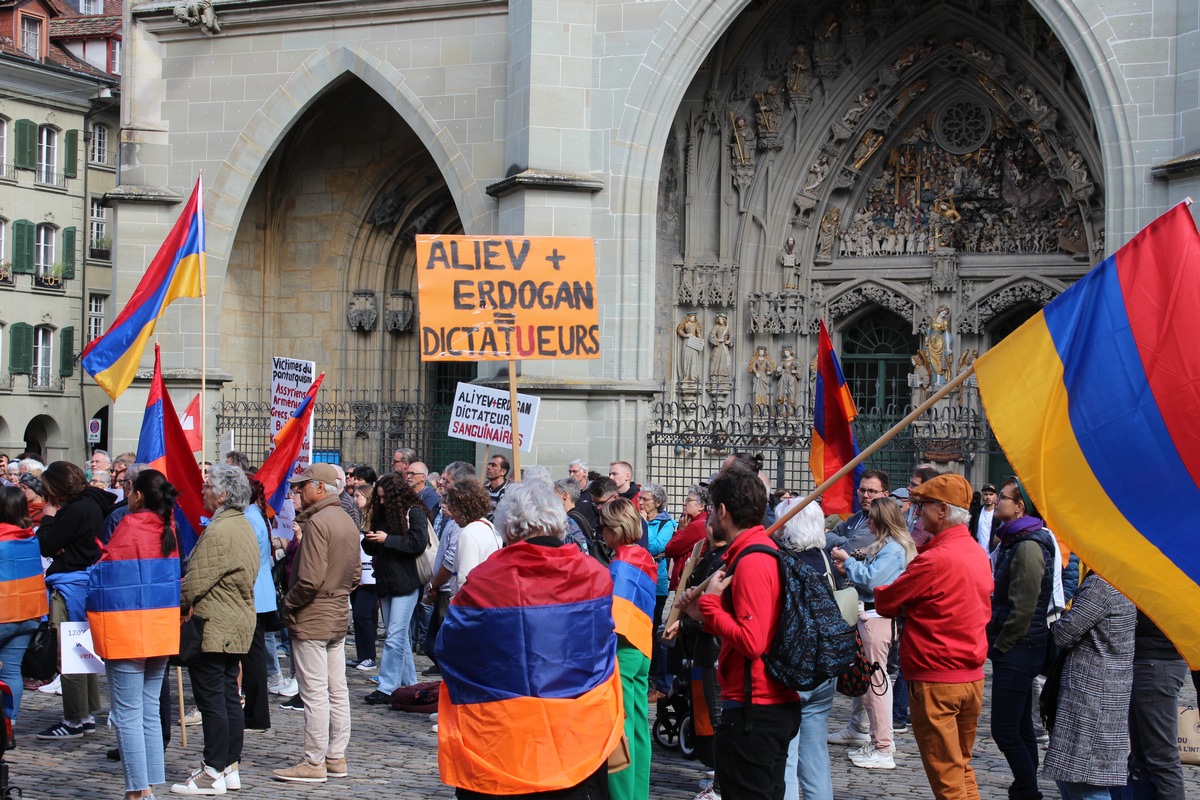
<point x="542" y="605"/>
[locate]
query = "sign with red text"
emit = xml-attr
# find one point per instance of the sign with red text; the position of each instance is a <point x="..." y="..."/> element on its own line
<point x="481" y="414"/>
<point x="76" y="652"/>
<point x="290" y="380"/>
<point x="493" y="298"/>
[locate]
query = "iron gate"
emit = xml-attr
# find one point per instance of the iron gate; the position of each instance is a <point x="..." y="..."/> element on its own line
<point x="349" y="427"/>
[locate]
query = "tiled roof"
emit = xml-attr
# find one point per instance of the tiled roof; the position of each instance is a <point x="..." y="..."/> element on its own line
<point x="82" y="27"/>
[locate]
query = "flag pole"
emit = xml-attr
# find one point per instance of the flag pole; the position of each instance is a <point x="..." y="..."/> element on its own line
<point x="203" y="316"/>
<point x="875" y="446"/>
<point x="512" y="418"/>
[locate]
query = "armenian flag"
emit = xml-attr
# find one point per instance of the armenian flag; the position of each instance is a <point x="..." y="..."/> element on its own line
<point x="634" y="575"/>
<point x="22" y="585"/>
<point x="833" y="442"/>
<point x="176" y="271"/>
<point x="133" y="593"/>
<point x="276" y="470"/>
<point x="531" y="694"/>
<point x="1094" y="401"/>
<point x="164" y="446"/>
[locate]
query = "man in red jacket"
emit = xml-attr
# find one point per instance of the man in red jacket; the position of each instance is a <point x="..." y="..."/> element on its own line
<point x="945" y="597"/>
<point x="742" y="609"/>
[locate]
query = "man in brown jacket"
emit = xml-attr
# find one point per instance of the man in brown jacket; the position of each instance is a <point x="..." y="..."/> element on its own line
<point x="326" y="569"/>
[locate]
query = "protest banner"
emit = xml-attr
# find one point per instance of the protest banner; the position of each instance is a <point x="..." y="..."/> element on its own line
<point x="481" y="414"/>
<point x="494" y="298"/>
<point x="290" y="381"/>
<point x="76" y="650"/>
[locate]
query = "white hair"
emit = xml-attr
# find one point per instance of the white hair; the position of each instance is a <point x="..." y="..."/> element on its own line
<point x="536" y="473"/>
<point x="530" y="509"/>
<point x="32" y="465"/>
<point x="958" y="515"/>
<point x="804" y="531"/>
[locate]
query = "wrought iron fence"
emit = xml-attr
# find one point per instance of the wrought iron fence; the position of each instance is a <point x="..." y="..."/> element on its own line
<point x="687" y="442"/>
<point x="349" y="427"/>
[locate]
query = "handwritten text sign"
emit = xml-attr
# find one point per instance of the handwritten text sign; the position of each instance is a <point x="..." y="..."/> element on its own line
<point x="481" y="414"/>
<point x="76" y="651"/>
<point x="492" y="298"/>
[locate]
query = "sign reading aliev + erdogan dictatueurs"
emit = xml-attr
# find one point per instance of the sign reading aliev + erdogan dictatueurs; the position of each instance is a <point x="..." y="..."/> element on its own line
<point x="493" y="298"/>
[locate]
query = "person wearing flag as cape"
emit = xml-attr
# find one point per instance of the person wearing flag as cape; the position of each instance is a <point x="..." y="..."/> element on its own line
<point x="531" y="697"/>
<point x="634" y="575"/>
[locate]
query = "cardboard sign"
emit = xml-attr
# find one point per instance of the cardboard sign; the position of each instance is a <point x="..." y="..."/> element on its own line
<point x="493" y="298"/>
<point x="481" y="414"/>
<point x="290" y="381"/>
<point x="77" y="651"/>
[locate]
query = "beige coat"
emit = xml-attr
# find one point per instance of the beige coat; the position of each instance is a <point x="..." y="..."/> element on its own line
<point x="219" y="584"/>
<point x="327" y="568"/>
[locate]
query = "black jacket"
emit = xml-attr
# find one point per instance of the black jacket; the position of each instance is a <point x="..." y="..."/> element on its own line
<point x="395" y="559"/>
<point x="72" y="537"/>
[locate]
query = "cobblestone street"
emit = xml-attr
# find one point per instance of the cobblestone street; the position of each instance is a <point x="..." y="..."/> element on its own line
<point x="393" y="754"/>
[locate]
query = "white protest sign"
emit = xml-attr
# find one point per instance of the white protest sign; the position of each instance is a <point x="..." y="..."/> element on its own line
<point x="480" y="414"/>
<point x="290" y="381"/>
<point x="77" y="651"/>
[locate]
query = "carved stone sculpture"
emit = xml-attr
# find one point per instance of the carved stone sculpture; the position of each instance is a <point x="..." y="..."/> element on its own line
<point x="827" y="235"/>
<point x="919" y="380"/>
<point x="362" y="312"/>
<point x="799" y="71"/>
<point x="938" y="347"/>
<point x="690" y="331"/>
<point x="198" y="13"/>
<point x="787" y="394"/>
<point x="770" y="110"/>
<point x="720" y="360"/>
<point x="761" y="367"/>
<point x="741" y="148"/>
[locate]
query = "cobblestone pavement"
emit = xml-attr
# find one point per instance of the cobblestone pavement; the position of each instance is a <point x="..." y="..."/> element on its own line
<point x="394" y="755"/>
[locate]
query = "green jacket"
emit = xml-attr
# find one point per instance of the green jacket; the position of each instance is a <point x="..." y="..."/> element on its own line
<point x="219" y="584"/>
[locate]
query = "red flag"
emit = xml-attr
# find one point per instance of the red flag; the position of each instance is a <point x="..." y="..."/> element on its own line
<point x="833" y="442"/>
<point x="164" y="446"/>
<point x="276" y="470"/>
<point x="191" y="422"/>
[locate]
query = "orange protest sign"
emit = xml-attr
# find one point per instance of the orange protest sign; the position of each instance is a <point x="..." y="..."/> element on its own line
<point x="493" y="298"/>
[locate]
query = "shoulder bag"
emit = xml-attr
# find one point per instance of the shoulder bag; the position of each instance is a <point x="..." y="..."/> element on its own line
<point x="847" y="599"/>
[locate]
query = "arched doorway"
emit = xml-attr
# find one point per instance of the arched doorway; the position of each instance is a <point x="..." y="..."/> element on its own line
<point x="322" y="269"/>
<point x="42" y="437"/>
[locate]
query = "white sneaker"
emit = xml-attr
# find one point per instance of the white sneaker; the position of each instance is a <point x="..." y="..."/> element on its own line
<point x="874" y="759"/>
<point x="708" y="794"/>
<point x="233" y="780"/>
<point x="203" y="780"/>
<point x="433" y="717"/>
<point x="366" y="665"/>
<point x="285" y="688"/>
<point x="53" y="687"/>
<point x="192" y="717"/>
<point x="867" y="748"/>
<point x="848" y="735"/>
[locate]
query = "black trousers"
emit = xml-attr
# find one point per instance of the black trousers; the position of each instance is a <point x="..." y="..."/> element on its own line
<point x="214" y="685"/>
<point x="254" y="679"/>
<point x="752" y="756"/>
<point x="364" y="606"/>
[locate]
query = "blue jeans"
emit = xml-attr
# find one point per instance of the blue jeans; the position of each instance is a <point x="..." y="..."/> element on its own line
<point x="397" y="668"/>
<point x="1012" y="714"/>
<point x="808" y="753"/>
<point x="1082" y="791"/>
<point x="14" y="641"/>
<point x="133" y="689"/>
<point x="271" y="644"/>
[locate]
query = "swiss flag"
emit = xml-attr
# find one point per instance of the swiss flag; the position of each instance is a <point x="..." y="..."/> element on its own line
<point x="190" y="421"/>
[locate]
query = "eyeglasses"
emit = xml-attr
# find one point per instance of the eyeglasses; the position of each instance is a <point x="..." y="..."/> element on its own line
<point x="399" y="461"/>
<point x="1003" y="496"/>
<point x="871" y="492"/>
<point x="417" y="474"/>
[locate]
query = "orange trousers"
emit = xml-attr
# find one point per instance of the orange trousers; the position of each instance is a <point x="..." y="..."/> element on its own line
<point x="944" y="719"/>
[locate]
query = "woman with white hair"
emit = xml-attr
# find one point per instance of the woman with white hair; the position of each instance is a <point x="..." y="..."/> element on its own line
<point x="531" y="598"/>
<point x="808" y="754"/>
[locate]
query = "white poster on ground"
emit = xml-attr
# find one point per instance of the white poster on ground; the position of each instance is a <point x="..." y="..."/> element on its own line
<point x="290" y="381"/>
<point x="480" y="414"/>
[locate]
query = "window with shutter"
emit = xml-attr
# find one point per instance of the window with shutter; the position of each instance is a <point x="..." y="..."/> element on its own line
<point x="20" y="348"/>
<point x="68" y="254"/>
<point x="66" y="352"/>
<point x="23" y="235"/>
<point x="71" y="156"/>
<point x="25" y="155"/>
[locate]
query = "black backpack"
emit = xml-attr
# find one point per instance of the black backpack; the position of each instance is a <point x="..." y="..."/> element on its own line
<point x="812" y="642"/>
